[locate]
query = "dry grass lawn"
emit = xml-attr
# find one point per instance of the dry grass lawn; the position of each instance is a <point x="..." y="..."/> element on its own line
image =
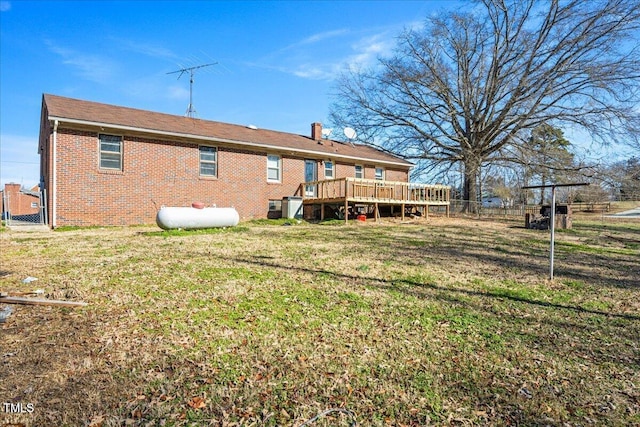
<point x="441" y="322"/>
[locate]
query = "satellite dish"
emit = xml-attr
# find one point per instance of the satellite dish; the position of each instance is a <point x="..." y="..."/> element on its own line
<point x="326" y="132"/>
<point x="349" y="133"/>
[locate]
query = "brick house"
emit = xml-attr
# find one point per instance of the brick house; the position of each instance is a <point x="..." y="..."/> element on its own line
<point x="19" y="202"/>
<point x="109" y="165"/>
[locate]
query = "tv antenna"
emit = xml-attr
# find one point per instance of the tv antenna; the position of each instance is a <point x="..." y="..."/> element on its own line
<point x="191" y="111"/>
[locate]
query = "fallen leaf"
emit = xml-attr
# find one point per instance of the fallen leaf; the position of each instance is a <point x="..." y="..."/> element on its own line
<point x="96" y="421"/>
<point x="197" y="403"/>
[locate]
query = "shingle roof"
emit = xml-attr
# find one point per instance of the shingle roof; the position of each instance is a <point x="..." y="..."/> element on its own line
<point x="94" y="113"/>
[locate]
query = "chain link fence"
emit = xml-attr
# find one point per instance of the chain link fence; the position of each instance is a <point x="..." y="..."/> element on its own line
<point x="24" y="208"/>
<point x="604" y="211"/>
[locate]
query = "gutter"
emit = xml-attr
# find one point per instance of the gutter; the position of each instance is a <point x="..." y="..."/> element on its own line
<point x="228" y="141"/>
<point x="54" y="196"/>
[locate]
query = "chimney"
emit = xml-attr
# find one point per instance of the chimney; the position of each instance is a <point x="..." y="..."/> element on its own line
<point x="316" y="131"/>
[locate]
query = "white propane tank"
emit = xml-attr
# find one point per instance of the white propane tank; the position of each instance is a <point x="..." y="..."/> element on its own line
<point x="191" y="217"/>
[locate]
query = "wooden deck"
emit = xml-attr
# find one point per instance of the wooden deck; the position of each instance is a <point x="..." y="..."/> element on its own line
<point x="353" y="191"/>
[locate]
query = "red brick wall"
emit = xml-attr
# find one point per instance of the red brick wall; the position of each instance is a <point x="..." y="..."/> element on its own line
<point x="157" y="173"/>
<point x="394" y="175"/>
<point x="345" y="170"/>
<point x="19" y="203"/>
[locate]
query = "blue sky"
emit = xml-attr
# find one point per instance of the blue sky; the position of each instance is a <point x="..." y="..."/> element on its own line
<point x="276" y="60"/>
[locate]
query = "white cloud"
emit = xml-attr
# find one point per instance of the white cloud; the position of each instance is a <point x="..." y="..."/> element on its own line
<point x="368" y="49"/>
<point x="5" y="6"/>
<point x="146" y="49"/>
<point x="334" y="51"/>
<point x="318" y="37"/>
<point x="364" y="53"/>
<point x="92" y="67"/>
<point x="312" y="39"/>
<point x="314" y="72"/>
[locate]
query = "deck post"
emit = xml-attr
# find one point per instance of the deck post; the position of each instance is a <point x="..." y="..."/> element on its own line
<point x="402" y="211"/>
<point x="321" y="211"/>
<point x="346" y="211"/>
<point x="377" y="213"/>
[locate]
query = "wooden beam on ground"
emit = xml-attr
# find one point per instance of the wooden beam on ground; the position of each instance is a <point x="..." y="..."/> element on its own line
<point x="40" y="301"/>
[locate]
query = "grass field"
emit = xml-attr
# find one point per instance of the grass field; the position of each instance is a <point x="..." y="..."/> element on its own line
<point x="442" y="322"/>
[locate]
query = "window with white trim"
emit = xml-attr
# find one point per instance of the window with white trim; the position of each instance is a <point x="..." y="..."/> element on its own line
<point x="110" y="152"/>
<point x="328" y="169"/>
<point x="208" y="161"/>
<point x="359" y="172"/>
<point x="274" y="166"/>
<point x="380" y="173"/>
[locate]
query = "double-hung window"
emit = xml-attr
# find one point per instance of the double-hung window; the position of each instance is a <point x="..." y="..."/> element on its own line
<point x="274" y="168"/>
<point x="208" y="161"/>
<point x="380" y="173"/>
<point x="110" y="152"/>
<point x="328" y="169"/>
<point x="359" y="171"/>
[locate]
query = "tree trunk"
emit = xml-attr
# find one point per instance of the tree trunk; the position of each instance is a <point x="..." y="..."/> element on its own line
<point x="543" y="181"/>
<point x="470" y="189"/>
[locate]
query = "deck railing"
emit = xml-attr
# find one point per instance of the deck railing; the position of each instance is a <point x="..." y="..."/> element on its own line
<point x="375" y="191"/>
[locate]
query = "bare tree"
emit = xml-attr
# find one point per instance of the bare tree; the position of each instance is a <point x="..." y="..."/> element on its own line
<point x="622" y="178"/>
<point x="468" y="84"/>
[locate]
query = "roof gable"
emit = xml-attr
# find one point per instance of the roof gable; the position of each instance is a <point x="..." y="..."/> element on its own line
<point x="98" y="114"/>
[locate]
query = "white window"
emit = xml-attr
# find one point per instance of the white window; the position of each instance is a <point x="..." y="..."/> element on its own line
<point x="274" y="166"/>
<point x="208" y="161"/>
<point x="359" y="171"/>
<point x="328" y="169"/>
<point x="380" y="173"/>
<point x="110" y="152"/>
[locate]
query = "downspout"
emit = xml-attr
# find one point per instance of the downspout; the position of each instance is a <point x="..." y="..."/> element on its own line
<point x="54" y="198"/>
